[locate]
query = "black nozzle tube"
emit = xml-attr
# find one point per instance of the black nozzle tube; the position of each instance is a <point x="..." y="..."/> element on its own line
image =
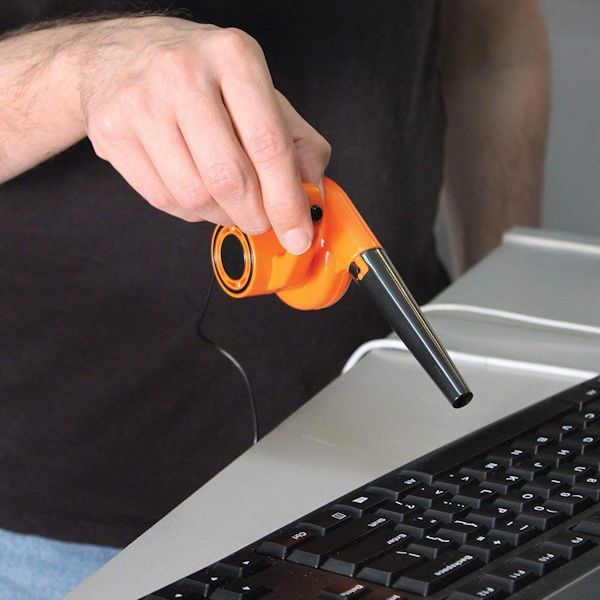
<point x="395" y="302"/>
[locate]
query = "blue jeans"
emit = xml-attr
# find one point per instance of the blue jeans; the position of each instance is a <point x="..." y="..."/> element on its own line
<point x="35" y="568"/>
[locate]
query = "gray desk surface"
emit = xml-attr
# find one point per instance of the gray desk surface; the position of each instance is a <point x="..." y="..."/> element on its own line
<point x="382" y="414"/>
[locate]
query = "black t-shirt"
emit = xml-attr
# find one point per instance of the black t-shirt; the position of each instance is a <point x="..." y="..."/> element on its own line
<point x="111" y="410"/>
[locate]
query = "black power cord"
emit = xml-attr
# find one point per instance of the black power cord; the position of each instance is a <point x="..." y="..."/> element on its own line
<point x="229" y="357"/>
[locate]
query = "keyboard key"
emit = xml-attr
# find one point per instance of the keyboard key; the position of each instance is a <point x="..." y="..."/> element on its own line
<point x="502" y="482"/>
<point x="398" y="510"/>
<point x="589" y="525"/>
<point x="315" y="551"/>
<point x="438" y="573"/>
<point x="591" y="458"/>
<point x="475" y="496"/>
<point x="582" y="419"/>
<point x="349" y="560"/>
<point x="393" y="486"/>
<point x="419" y="526"/>
<point x="570" y="473"/>
<point x="590" y="486"/>
<point x="530" y="468"/>
<point x="283" y="543"/>
<point x="507" y="456"/>
<point x="514" y="532"/>
<point x="185" y="589"/>
<point x="476" y="590"/>
<point x="207" y="580"/>
<point x="344" y="591"/>
<point x="556" y="455"/>
<point x="568" y="502"/>
<point x="480" y="469"/>
<point x="240" y="590"/>
<point x="388" y="568"/>
<point x="431" y="546"/>
<point x="544" y="487"/>
<point x="486" y="547"/>
<point x="541" y="517"/>
<point x="583" y="395"/>
<point x="323" y="521"/>
<point x="557" y="431"/>
<point x="582" y="442"/>
<point x="454" y="482"/>
<point x="242" y="564"/>
<point x="533" y="442"/>
<point x="594" y="382"/>
<point x="423" y="476"/>
<point x="489" y="516"/>
<point x="447" y="511"/>
<point x="358" y="504"/>
<point x="425" y="495"/>
<point x="540" y="560"/>
<point x="568" y="544"/>
<point x="461" y="530"/>
<point x="510" y="577"/>
<point x="517" y="501"/>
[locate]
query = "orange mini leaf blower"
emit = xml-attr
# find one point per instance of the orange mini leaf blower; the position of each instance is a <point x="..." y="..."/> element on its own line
<point x="343" y="249"/>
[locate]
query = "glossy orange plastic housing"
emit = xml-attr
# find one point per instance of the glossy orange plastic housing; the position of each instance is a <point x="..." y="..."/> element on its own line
<point x="316" y="279"/>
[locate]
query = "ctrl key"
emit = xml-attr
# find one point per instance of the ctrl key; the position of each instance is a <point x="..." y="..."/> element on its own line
<point x="344" y="592"/>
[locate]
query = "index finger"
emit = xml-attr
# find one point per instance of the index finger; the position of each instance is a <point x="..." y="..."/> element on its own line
<point x="263" y="133"/>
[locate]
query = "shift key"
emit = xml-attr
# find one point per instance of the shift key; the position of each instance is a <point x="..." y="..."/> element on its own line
<point x="436" y="574"/>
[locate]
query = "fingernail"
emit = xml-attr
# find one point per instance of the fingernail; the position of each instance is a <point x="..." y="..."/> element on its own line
<point x="320" y="184"/>
<point x="296" y="241"/>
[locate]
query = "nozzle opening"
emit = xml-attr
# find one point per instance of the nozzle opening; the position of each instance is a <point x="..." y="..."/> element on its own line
<point x="462" y="400"/>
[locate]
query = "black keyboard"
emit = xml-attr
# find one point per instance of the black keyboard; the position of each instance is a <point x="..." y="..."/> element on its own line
<point x="511" y="510"/>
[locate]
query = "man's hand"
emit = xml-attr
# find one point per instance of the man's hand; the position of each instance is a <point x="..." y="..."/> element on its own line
<point x="188" y="114"/>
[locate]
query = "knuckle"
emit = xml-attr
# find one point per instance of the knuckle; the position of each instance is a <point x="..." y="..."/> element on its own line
<point x="268" y="146"/>
<point x="325" y="148"/>
<point x="193" y="197"/>
<point x="258" y="229"/>
<point x="238" y="42"/>
<point x="175" y="62"/>
<point x="227" y="181"/>
<point x="108" y="125"/>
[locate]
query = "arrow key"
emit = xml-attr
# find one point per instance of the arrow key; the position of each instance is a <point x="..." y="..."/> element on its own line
<point x="240" y="590"/>
<point x="207" y="581"/>
<point x="242" y="564"/>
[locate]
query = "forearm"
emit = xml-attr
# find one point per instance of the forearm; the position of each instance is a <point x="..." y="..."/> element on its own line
<point x="497" y="101"/>
<point x="39" y="97"/>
